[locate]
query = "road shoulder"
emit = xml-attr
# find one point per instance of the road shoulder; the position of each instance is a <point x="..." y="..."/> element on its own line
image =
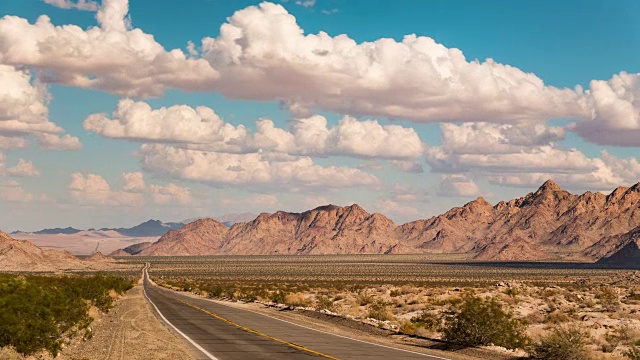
<point x="131" y="330"/>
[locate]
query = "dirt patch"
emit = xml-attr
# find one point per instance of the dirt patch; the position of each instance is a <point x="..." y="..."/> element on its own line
<point x="130" y="331"/>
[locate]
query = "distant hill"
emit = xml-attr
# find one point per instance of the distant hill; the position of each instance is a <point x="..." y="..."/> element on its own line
<point x="150" y="228"/>
<point x="147" y="228"/>
<point x="67" y="230"/>
<point x="537" y="226"/>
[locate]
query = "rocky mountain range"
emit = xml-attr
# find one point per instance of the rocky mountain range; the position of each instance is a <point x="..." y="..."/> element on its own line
<point x="549" y="223"/>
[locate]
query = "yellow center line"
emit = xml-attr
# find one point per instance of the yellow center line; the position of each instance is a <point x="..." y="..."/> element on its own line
<point x="257" y="332"/>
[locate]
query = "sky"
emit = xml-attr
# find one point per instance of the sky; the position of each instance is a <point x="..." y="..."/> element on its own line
<point x="114" y="113"/>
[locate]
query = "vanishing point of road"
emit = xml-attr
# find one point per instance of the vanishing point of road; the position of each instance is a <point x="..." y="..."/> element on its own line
<point x="227" y="333"/>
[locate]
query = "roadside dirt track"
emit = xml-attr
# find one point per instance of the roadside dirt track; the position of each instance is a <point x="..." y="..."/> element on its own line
<point x="130" y="331"/>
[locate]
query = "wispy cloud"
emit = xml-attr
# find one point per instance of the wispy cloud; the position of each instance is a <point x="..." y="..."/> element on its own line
<point x="306" y="3"/>
<point x="86" y="5"/>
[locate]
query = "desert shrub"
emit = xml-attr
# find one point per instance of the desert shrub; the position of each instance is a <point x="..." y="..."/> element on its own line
<point x="608" y="298"/>
<point x="214" y="291"/>
<point x="378" y="311"/>
<point x="633" y="353"/>
<point x="428" y="321"/>
<point x="567" y="343"/>
<point x="477" y="321"/>
<point x="633" y="295"/>
<point x="408" y="327"/>
<point x="625" y="334"/>
<point x="364" y="299"/>
<point x="278" y="297"/>
<point x="325" y="303"/>
<point x="37" y="311"/>
<point x="513" y="292"/>
<point x="557" y="317"/>
<point x="297" y="300"/>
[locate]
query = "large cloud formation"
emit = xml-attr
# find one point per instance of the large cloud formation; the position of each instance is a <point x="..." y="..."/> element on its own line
<point x="615" y="115"/>
<point x="254" y="169"/>
<point x="92" y="189"/>
<point x="505" y="157"/>
<point x="111" y="57"/>
<point x="416" y="79"/>
<point x="24" y="114"/>
<point x="201" y="128"/>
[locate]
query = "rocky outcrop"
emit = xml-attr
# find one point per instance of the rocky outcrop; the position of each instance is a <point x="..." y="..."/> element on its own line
<point x="119" y="252"/>
<point x="532" y="227"/>
<point x="100" y="258"/>
<point x="135" y="249"/>
<point x="622" y="249"/>
<point x="21" y="255"/>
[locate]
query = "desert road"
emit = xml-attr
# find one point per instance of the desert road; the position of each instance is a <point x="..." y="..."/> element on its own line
<point x="228" y="333"/>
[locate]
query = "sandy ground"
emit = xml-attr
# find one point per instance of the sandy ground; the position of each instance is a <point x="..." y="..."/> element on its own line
<point x="84" y="242"/>
<point x="130" y="331"/>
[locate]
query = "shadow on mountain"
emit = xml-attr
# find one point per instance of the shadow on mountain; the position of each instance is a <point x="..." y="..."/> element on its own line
<point x="603" y="264"/>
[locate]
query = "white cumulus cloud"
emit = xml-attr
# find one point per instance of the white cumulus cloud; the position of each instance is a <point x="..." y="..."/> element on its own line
<point x="92" y="189"/>
<point x="458" y="185"/>
<point x="615" y="114"/>
<point x="248" y="169"/>
<point x="522" y="155"/>
<point x="112" y="57"/>
<point x="23" y="169"/>
<point x="416" y="78"/>
<point x="24" y="114"/>
<point x="201" y="128"/>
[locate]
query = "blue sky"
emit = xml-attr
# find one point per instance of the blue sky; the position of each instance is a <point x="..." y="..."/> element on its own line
<point x="498" y="154"/>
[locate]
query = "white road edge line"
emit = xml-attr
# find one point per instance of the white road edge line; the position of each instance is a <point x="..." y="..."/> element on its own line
<point x="205" y="352"/>
<point x="328" y="333"/>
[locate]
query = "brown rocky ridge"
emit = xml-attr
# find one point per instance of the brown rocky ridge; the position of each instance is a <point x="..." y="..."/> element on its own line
<point x="544" y="224"/>
<point x="21" y="255"/>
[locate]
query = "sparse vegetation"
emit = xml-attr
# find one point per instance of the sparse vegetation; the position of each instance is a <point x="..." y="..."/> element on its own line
<point x="567" y="343"/>
<point x="415" y="294"/>
<point x="633" y="353"/>
<point x="40" y="312"/>
<point x="478" y="321"/>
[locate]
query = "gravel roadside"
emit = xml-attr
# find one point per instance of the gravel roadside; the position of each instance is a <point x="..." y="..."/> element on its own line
<point x="130" y="331"/>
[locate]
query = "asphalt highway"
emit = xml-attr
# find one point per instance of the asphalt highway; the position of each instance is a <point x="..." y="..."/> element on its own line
<point x="227" y="333"/>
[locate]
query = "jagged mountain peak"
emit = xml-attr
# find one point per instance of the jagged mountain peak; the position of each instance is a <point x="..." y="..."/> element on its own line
<point x="549" y="185"/>
<point x="204" y="222"/>
<point x="478" y="203"/>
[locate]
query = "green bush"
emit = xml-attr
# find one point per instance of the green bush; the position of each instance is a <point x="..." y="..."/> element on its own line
<point x="37" y="311"/>
<point x="567" y="343"/>
<point x="476" y="321"/>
